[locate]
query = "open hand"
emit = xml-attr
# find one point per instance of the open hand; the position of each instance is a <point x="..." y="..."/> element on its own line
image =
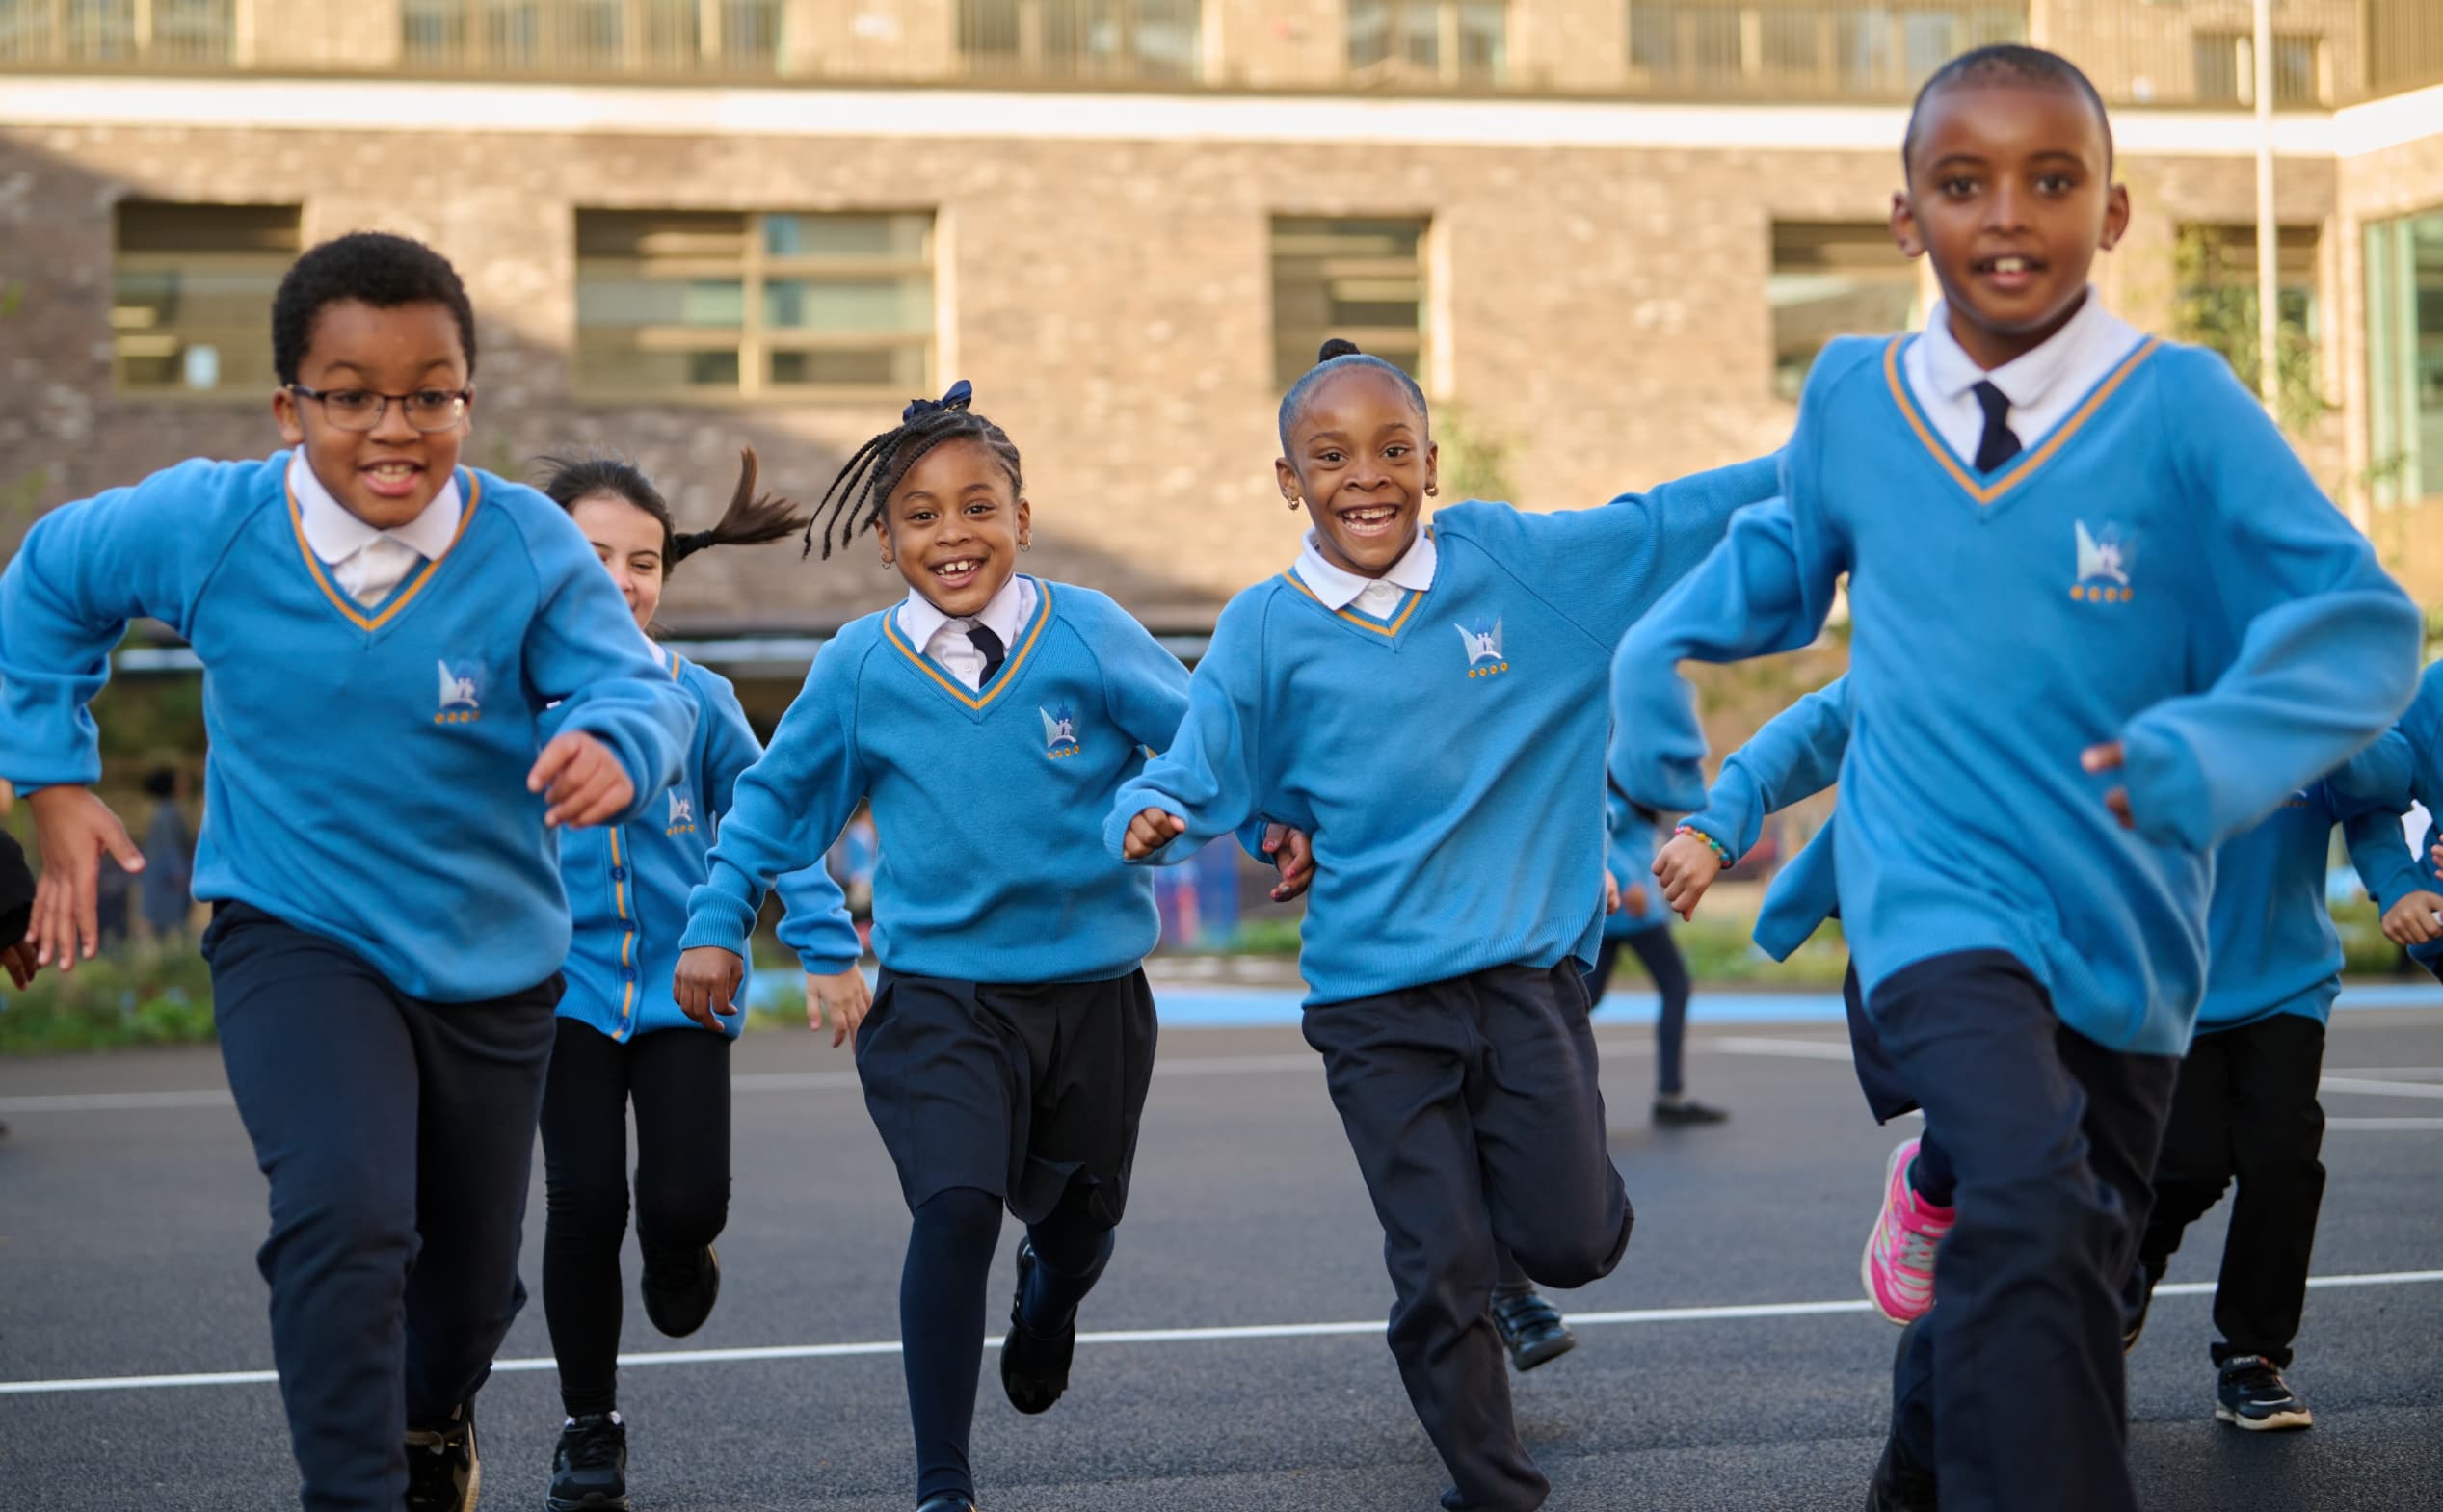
<point x="1148" y="832"/>
<point x="584" y="784"/>
<point x="844" y="996"/>
<point x="1293" y="851"/>
<point x="705" y="984"/>
<point x="73" y="829"/>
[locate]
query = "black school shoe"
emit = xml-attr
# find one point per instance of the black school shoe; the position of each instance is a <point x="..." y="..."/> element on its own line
<point x="2250" y="1393"/>
<point x="948" y="1501"/>
<point x="678" y="1298"/>
<point x="1901" y="1483"/>
<point x="1034" y="1366"/>
<point x="589" y="1471"/>
<point x="1531" y="1329"/>
<point x="444" y="1473"/>
<point x="1681" y="1112"/>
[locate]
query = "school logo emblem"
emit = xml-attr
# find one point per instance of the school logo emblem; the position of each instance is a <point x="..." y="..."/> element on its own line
<point x="2103" y="566"/>
<point x="1484" y="649"/>
<point x="683" y="814"/>
<point x="461" y="693"/>
<point x="1060" y="732"/>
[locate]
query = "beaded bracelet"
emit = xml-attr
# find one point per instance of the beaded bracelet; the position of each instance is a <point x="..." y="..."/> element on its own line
<point x="1711" y="843"/>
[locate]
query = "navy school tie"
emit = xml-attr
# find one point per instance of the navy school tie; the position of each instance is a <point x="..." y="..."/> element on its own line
<point x="1999" y="444"/>
<point x="994" y="650"/>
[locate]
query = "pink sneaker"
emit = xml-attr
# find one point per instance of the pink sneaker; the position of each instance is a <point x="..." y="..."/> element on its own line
<point x="1899" y="1267"/>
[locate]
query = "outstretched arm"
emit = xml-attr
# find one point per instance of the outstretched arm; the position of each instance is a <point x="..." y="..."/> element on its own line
<point x="1755" y="595"/>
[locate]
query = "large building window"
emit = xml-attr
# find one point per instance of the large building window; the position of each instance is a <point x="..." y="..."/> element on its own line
<point x="715" y="303"/>
<point x="1833" y="279"/>
<point x="1825" y="49"/>
<point x="116" y="30"/>
<point x="2404" y="358"/>
<point x="1361" y="280"/>
<point x="191" y="299"/>
<point x="1456" y="42"/>
<point x="2226" y="70"/>
<point x="1123" y="39"/>
<point x="593" y="37"/>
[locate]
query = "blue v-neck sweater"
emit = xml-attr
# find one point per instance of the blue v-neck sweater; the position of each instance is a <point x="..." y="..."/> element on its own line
<point x="368" y="777"/>
<point x="988" y="804"/>
<point x="628" y="884"/>
<point x="2159" y="571"/>
<point x="1447" y="760"/>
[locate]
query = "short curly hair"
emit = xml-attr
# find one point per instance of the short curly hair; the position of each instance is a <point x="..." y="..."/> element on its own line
<point x="372" y="267"/>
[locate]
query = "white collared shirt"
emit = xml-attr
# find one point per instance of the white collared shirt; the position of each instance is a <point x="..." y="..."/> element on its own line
<point x="367" y="563"/>
<point x="2043" y="385"/>
<point x="1413" y="572"/>
<point x="945" y="639"/>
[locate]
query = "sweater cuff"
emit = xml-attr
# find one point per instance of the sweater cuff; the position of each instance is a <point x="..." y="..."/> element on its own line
<point x="2168" y="794"/>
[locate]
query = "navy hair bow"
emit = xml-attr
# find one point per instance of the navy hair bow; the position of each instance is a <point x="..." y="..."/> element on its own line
<point x="961" y="394"/>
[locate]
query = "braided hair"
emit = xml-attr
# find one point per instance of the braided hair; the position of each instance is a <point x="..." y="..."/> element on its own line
<point x="750" y="519"/>
<point x="858" y="498"/>
<point x="1338" y="355"/>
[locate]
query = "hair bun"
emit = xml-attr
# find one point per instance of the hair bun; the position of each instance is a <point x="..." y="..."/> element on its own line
<point x="1336" y="347"/>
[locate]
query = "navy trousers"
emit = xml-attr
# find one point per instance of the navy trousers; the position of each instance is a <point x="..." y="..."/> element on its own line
<point x="2012" y="1388"/>
<point x="1472" y="1105"/>
<point x="2246" y="1109"/>
<point x="398" y="1135"/>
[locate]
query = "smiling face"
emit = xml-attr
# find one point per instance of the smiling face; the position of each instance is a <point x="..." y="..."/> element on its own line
<point x="1361" y="460"/>
<point x="629" y="544"/>
<point x="387" y="475"/>
<point x="2010" y="194"/>
<point x="954" y="525"/>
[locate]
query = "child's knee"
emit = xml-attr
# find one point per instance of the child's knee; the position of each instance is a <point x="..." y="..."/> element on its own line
<point x="1583" y="1256"/>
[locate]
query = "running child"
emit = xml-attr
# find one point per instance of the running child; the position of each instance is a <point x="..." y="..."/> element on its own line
<point x="1445" y="957"/>
<point x="2103" y="621"/>
<point x="381" y="631"/>
<point x="989" y="717"/>
<point x="623" y="1042"/>
<point x="2245" y="1109"/>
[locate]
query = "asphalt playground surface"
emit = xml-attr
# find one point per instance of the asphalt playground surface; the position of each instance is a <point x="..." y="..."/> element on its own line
<point x="1729" y="1363"/>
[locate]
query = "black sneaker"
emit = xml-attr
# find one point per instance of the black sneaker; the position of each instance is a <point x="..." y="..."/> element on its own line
<point x="1901" y="1483"/>
<point x="1531" y="1329"/>
<point x="1034" y="1366"/>
<point x="2251" y="1393"/>
<point x="588" y="1472"/>
<point x="444" y="1473"/>
<point x="678" y="1298"/>
<point x="1680" y="1111"/>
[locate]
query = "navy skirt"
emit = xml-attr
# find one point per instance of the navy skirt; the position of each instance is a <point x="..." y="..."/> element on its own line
<point x="1021" y="1090"/>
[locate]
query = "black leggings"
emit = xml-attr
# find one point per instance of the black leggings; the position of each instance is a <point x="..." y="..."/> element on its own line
<point x="679" y="1080"/>
<point x="943" y="1295"/>
<point x="1661" y="957"/>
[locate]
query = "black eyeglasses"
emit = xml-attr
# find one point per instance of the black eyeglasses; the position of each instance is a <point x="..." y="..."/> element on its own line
<point x="428" y="410"/>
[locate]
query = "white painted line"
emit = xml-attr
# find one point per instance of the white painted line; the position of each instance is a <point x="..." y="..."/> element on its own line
<point x="115" y="1102"/>
<point x="1796" y="1049"/>
<point x="746" y="1082"/>
<point x="2393" y="1124"/>
<point x="1145" y="1336"/>
<point x="2379" y="1089"/>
